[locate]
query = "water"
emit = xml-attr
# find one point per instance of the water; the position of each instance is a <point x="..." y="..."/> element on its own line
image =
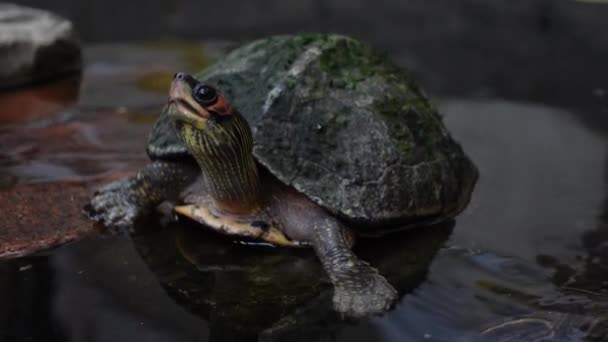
<point x="527" y="260"/>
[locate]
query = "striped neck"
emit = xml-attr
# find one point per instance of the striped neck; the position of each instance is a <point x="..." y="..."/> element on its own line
<point x="223" y="150"/>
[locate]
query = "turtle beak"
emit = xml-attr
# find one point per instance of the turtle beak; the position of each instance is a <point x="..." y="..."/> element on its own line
<point x="182" y="106"/>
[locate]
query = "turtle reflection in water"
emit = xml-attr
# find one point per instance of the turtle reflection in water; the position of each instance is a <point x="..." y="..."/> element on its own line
<point x="245" y="292"/>
<point x="330" y="142"/>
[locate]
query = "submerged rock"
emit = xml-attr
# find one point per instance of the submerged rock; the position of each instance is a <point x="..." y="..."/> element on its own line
<point x="35" y="46"/>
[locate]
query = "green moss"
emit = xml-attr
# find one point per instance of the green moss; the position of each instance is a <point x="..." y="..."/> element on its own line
<point x="351" y="62"/>
<point x="412" y="121"/>
<point x="291" y="83"/>
<point x="393" y="110"/>
<point x="346" y="60"/>
<point x="390" y="107"/>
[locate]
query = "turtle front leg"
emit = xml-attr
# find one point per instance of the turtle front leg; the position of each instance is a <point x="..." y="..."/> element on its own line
<point x="118" y="204"/>
<point x="358" y="288"/>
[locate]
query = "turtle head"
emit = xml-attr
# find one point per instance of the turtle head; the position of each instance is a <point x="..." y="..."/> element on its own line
<point x="205" y="121"/>
<point x="218" y="137"/>
<point x="195" y="103"/>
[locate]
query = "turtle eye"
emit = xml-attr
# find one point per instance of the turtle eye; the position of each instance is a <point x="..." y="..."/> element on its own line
<point x="205" y="95"/>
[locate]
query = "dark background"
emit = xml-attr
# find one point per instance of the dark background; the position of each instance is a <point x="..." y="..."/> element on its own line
<point x="554" y="52"/>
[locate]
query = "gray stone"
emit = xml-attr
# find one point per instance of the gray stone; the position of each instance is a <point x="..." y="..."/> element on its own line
<point x="35" y="46"/>
<point x="552" y="52"/>
<point x="342" y="125"/>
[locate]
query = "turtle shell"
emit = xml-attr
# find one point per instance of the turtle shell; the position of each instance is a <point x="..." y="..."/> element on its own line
<point x="341" y="124"/>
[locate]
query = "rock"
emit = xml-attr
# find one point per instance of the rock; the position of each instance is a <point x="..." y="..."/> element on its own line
<point x="28" y="104"/>
<point x="36" y="217"/>
<point x="35" y="46"/>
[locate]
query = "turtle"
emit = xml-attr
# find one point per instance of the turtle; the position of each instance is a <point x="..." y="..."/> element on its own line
<point x="308" y="140"/>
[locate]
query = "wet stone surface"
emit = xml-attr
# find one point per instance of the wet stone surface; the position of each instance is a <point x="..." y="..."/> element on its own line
<point x="35" y="217"/>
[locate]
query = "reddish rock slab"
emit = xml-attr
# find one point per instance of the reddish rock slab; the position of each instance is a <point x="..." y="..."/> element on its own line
<point x="38" y="102"/>
<point x="44" y="215"/>
<point x="90" y="144"/>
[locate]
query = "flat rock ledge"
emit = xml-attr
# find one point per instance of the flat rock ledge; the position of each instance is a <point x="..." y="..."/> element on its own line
<point x="40" y="216"/>
<point x="35" y="46"/>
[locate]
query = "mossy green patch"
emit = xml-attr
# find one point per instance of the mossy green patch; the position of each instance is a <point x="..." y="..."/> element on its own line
<point x="393" y="110"/>
<point x="351" y="62"/>
<point x="412" y="121"/>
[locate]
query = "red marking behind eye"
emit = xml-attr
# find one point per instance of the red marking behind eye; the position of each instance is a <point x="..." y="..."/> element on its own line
<point x="221" y="106"/>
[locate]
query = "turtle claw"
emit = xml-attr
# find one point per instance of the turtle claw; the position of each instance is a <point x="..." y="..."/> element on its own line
<point x="372" y="296"/>
<point x="112" y="206"/>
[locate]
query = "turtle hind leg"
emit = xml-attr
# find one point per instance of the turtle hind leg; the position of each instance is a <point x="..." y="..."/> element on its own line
<point x="119" y="204"/>
<point x="359" y="290"/>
